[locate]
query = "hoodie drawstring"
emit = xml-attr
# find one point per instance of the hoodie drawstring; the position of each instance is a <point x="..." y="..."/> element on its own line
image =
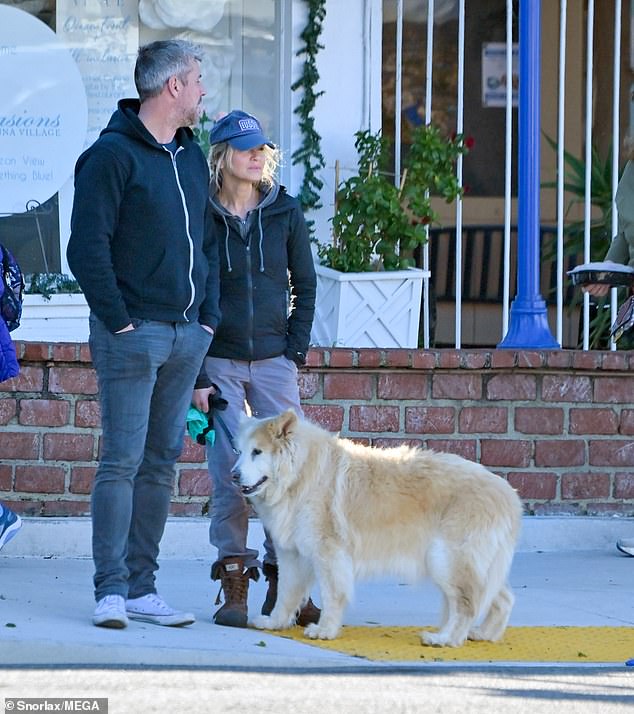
<point x="219" y="209"/>
<point x="229" y="268"/>
<point x="261" y="240"/>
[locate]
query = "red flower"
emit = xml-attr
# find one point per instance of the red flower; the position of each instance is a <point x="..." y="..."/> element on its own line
<point x="469" y="142"/>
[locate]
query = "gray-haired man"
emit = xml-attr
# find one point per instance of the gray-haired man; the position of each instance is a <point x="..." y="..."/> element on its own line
<point x="143" y="251"/>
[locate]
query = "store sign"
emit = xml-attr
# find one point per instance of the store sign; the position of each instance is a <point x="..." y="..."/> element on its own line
<point x="43" y="112"/>
<point x="494" y="78"/>
<point x="104" y="40"/>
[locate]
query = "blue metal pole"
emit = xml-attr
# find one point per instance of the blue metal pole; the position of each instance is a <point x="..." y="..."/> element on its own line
<point x="528" y="323"/>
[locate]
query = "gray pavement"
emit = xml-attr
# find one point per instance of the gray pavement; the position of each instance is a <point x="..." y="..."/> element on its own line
<point x="46" y="600"/>
<point x="449" y="691"/>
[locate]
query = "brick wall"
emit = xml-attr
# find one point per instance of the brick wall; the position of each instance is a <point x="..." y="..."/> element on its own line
<point x="557" y="424"/>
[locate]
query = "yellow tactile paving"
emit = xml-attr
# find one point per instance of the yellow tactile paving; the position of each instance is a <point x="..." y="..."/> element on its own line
<point x="520" y="644"/>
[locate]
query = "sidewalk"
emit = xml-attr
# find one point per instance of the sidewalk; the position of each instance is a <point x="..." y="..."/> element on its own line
<point x="566" y="573"/>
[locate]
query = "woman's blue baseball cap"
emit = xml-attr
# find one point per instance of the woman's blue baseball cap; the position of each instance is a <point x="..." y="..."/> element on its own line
<point x="240" y="130"/>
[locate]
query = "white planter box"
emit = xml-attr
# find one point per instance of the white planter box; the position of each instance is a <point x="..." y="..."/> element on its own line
<point x="63" y="318"/>
<point x="377" y="309"/>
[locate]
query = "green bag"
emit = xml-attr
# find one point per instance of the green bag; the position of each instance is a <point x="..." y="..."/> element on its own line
<point x="200" y="428"/>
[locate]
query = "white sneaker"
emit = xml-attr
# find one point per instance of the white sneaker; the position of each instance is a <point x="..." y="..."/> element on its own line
<point x="152" y="608"/>
<point x="626" y="545"/>
<point x="110" y="612"/>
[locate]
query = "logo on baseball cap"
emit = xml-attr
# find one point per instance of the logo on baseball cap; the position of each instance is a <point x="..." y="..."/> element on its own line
<point x="239" y="129"/>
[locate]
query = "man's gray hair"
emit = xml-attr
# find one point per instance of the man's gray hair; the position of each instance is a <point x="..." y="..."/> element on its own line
<point x="158" y="61"/>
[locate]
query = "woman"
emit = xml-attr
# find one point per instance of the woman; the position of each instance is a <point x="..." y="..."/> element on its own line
<point x="267" y="300"/>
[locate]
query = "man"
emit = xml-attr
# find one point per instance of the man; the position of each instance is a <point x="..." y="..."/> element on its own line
<point x="142" y="249"/>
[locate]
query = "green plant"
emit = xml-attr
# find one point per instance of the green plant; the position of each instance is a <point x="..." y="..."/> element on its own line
<point x="47" y="284"/>
<point x="376" y="224"/>
<point x="309" y="152"/>
<point x="600" y="198"/>
<point x="600" y="226"/>
<point x="201" y="133"/>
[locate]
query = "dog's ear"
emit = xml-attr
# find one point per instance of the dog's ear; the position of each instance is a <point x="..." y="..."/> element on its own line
<point x="284" y="424"/>
<point x="289" y="422"/>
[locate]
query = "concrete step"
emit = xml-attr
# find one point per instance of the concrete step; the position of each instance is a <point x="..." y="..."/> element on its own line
<point x="187" y="538"/>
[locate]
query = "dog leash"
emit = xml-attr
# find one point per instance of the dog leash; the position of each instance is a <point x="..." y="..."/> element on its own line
<point x="228" y="434"/>
<point x="218" y="403"/>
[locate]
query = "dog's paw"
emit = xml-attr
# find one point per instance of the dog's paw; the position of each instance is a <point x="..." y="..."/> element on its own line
<point x="476" y="635"/>
<point x="315" y="631"/>
<point x="438" y="639"/>
<point x="270" y="622"/>
<point x="262" y="622"/>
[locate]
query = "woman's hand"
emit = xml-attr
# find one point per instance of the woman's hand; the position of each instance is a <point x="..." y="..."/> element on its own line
<point x="200" y="398"/>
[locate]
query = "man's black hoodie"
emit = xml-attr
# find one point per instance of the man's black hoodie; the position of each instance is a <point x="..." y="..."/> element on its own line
<point x="142" y="242"/>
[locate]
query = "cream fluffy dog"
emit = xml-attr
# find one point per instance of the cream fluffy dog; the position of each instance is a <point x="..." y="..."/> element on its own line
<point x="337" y="510"/>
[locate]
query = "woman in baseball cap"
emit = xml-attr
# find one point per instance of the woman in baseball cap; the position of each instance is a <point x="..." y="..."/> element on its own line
<point x="267" y="300"/>
<point x="239" y="129"/>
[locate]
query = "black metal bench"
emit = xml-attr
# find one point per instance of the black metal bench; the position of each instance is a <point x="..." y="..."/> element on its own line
<point x="483" y="263"/>
<point x="483" y="278"/>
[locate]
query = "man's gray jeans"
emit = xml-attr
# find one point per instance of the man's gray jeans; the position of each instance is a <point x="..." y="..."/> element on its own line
<point x="146" y="377"/>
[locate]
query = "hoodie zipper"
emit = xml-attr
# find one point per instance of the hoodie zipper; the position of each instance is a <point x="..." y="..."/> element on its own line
<point x="189" y="238"/>
<point x="244" y="232"/>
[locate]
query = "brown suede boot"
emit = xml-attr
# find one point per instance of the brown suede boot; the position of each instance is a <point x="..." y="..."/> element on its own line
<point x="307" y="614"/>
<point x="234" y="585"/>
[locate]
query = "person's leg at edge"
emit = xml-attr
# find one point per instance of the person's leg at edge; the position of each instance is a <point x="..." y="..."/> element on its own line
<point x="10" y="524"/>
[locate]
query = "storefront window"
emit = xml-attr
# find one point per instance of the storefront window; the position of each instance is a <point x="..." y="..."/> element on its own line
<point x="87" y="49"/>
<point x="484" y="118"/>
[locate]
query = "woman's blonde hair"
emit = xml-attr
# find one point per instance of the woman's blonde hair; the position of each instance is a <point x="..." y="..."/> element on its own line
<point x="221" y="155"/>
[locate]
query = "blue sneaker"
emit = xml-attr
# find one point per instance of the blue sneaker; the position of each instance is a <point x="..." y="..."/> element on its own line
<point x="10" y="524"/>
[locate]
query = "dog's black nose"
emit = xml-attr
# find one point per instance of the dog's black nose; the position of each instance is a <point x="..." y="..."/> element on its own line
<point x="235" y="476"/>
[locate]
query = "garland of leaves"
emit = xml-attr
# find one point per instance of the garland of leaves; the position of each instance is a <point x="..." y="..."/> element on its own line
<point x="309" y="153"/>
<point x="47" y="284"/>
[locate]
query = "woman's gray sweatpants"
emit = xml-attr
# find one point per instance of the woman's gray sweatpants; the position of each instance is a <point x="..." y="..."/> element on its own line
<point x="268" y="387"/>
